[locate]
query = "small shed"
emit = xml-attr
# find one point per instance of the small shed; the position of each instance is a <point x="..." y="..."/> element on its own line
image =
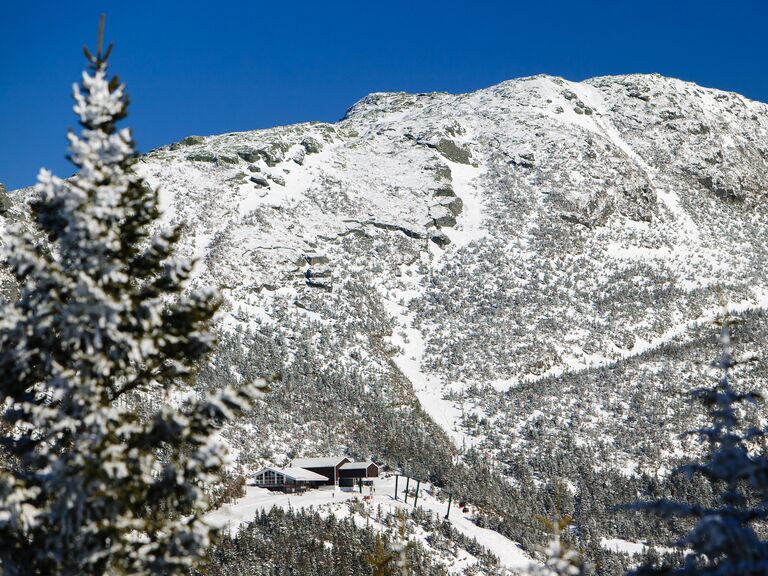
<point x="328" y="467"/>
<point x="359" y="470"/>
<point x="288" y="479"/>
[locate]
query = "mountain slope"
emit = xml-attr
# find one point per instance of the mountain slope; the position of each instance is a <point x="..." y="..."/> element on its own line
<point x="585" y="220"/>
<point x="527" y="267"/>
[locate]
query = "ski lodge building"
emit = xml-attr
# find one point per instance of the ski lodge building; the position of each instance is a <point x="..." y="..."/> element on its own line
<point x="305" y="473"/>
<point x="288" y="479"/>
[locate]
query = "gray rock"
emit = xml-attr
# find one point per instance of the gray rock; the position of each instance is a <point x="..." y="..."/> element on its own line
<point x="227" y="159"/>
<point x="440" y="239"/>
<point x="298" y="156"/>
<point x="455" y="205"/>
<point x="451" y="151"/>
<point x="202" y="156"/>
<point x="315" y="258"/>
<point x="239" y="178"/>
<point x="188" y="141"/>
<point x="526" y="159"/>
<point x="5" y="201"/>
<point x="318" y="272"/>
<point x="410" y="232"/>
<point x="253" y="168"/>
<point x="454" y="129"/>
<point x="192" y="141"/>
<point x="260" y="181"/>
<point x="445" y="191"/>
<point x="311" y="145"/>
<point x="441" y="172"/>
<point x="445" y="221"/>
<point x="324" y="284"/>
<point x="273" y="154"/>
<point x="644" y="96"/>
<point x="442" y="216"/>
<point x="670" y="115"/>
<point x="248" y="154"/>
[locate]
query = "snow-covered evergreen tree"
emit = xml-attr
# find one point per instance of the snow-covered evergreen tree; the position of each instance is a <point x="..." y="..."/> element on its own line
<point x="101" y="319"/>
<point x="723" y="540"/>
<point x="561" y="560"/>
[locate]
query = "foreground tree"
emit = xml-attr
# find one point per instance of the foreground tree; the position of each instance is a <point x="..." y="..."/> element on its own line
<point x="723" y="540"/>
<point x="561" y="560"/>
<point x="101" y="322"/>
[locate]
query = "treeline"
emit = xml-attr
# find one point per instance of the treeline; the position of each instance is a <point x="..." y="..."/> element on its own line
<point x="282" y="542"/>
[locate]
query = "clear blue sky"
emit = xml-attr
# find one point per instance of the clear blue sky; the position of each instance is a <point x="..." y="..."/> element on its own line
<point x="209" y="67"/>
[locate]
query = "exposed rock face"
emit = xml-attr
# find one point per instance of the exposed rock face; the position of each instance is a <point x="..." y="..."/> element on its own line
<point x="189" y="141"/>
<point x="248" y="154"/>
<point x="452" y="152"/>
<point x="202" y="156"/>
<point x="5" y="202"/>
<point x="576" y="195"/>
<point x="315" y="259"/>
<point x="311" y="145"/>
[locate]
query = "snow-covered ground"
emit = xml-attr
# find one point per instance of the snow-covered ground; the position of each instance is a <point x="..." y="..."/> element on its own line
<point x="429" y="390"/>
<point x="625" y="546"/>
<point x="333" y="500"/>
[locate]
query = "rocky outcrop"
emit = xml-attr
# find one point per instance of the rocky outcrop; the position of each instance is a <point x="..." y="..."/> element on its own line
<point x="316" y="259"/>
<point x="453" y="151"/>
<point x="259" y="181"/>
<point x="311" y="145"/>
<point x="202" y="156"/>
<point x="188" y="141"/>
<point x="5" y="201"/>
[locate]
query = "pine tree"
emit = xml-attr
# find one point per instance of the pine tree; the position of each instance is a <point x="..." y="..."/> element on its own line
<point x="723" y="540"/>
<point x="561" y="559"/>
<point x="101" y="320"/>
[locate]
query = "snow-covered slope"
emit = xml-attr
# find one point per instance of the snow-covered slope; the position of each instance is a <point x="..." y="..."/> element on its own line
<point x="364" y="509"/>
<point x="532" y="227"/>
<point x="563" y="204"/>
<point x="436" y="272"/>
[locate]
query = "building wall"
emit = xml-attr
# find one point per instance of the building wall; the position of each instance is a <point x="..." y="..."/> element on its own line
<point x="275" y="481"/>
<point x="359" y="473"/>
<point x="327" y="472"/>
<point x="371" y="472"/>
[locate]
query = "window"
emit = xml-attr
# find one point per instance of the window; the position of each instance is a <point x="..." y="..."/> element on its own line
<point x="270" y="478"/>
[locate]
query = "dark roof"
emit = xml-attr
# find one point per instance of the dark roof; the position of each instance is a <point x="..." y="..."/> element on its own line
<point x="358" y="465"/>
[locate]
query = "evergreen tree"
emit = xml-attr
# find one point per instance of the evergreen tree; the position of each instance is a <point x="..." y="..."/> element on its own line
<point x="101" y="321"/>
<point x="561" y="559"/>
<point x="723" y="540"/>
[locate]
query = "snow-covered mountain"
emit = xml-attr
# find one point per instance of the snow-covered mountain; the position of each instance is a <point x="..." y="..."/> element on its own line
<point x="530" y="267"/>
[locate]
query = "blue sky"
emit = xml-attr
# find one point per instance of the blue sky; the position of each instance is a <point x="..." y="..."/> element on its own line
<point x="210" y="67"/>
